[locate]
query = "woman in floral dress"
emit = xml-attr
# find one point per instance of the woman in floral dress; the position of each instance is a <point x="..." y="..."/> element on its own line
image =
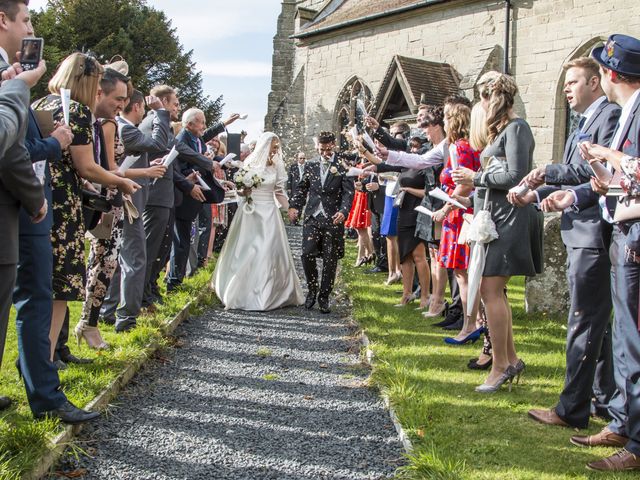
<point x="81" y="74"/>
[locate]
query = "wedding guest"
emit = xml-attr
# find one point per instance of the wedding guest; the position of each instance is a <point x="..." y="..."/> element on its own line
<point x="360" y="220"/>
<point x="478" y="140"/>
<point x="19" y="185"/>
<point x="296" y="171"/>
<point x="518" y="248"/>
<point x="376" y="199"/>
<point x="619" y="61"/>
<point x="126" y="291"/>
<point x="453" y="254"/>
<point x="81" y="74"/>
<point x="104" y="247"/>
<point x="411" y="248"/>
<point x="589" y="366"/>
<point x="192" y="142"/>
<point x="397" y="137"/>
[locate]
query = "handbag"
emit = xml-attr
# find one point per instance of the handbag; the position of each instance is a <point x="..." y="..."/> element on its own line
<point x="397" y="202"/>
<point x="467" y="218"/>
<point x="102" y="231"/>
<point x="627" y="208"/>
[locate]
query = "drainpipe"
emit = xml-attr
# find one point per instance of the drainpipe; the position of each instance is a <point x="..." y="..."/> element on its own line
<point x="507" y="34"/>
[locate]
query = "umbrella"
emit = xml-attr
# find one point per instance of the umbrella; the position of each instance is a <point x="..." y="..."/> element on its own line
<point x="481" y="232"/>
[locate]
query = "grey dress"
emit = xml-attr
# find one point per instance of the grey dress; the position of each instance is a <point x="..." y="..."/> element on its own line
<point x="518" y="250"/>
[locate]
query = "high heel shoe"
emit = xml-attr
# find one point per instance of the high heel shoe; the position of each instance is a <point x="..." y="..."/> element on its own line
<point x="437" y="310"/>
<point x="422" y="307"/>
<point x="393" y="278"/>
<point x="406" y="300"/>
<point x="370" y="258"/>
<point x="472" y="337"/>
<point x="519" y="368"/>
<point x="474" y="365"/>
<point x="91" y="335"/>
<point x="361" y="261"/>
<point x="506" y="377"/>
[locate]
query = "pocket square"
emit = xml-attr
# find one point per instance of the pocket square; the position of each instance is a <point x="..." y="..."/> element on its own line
<point x="627" y="144"/>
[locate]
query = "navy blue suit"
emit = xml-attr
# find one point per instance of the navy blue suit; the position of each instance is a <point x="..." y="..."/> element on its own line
<point x="586" y="235"/>
<point x="33" y="296"/>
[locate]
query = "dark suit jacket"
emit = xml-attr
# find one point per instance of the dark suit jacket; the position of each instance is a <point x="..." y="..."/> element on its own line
<point x="336" y="194"/>
<point x="161" y="191"/>
<point x="40" y="149"/>
<point x="18" y="182"/>
<point x="293" y="178"/>
<point x="192" y="158"/>
<point x="630" y="145"/>
<point x="584" y="228"/>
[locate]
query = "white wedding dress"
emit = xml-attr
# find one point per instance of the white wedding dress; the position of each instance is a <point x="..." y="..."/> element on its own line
<point x="255" y="270"/>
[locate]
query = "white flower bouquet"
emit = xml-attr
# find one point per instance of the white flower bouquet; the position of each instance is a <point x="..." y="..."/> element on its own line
<point x="246" y="180"/>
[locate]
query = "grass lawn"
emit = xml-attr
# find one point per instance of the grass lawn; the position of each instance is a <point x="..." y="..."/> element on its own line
<point x="456" y="432"/>
<point x="23" y="440"/>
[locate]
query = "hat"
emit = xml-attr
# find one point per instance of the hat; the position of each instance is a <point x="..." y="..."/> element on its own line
<point x="620" y="53"/>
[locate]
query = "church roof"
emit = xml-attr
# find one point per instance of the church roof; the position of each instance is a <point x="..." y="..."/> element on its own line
<point x="342" y="13"/>
<point x="420" y="80"/>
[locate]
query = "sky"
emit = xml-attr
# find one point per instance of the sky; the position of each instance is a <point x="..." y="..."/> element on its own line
<point x="232" y="43"/>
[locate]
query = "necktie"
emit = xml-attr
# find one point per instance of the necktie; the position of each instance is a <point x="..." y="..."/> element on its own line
<point x="581" y="123"/>
<point x="199" y="143"/>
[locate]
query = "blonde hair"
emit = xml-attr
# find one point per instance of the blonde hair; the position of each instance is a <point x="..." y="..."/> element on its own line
<point x="222" y="150"/>
<point x="500" y="90"/>
<point x="478" y="129"/>
<point x="162" y="91"/>
<point x="81" y="74"/>
<point x="457" y="118"/>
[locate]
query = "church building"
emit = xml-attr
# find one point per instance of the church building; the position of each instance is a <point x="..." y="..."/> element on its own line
<point x="334" y="58"/>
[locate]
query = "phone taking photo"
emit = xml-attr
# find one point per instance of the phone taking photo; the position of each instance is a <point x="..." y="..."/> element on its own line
<point x="31" y="53"/>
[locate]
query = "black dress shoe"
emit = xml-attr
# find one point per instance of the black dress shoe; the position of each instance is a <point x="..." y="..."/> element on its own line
<point x="127" y="324"/>
<point x="310" y="301"/>
<point x="69" y="413"/>
<point x="60" y="365"/>
<point x="70" y="358"/>
<point x="5" y="402"/>
<point x="457" y="325"/>
<point x="323" y="305"/>
<point x="474" y="365"/>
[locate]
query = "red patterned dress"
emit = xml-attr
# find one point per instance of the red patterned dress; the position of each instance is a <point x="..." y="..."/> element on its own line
<point x="452" y="255"/>
<point x="360" y="215"/>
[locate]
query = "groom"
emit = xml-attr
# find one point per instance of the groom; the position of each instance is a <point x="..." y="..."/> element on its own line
<point x="330" y="193"/>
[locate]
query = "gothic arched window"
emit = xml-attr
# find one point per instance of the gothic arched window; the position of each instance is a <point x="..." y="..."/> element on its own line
<point x="354" y="102"/>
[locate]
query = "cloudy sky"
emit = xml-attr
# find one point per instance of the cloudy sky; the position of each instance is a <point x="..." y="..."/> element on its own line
<point x="232" y="44"/>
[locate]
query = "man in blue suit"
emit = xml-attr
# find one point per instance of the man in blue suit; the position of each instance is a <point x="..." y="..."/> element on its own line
<point x="589" y="370"/>
<point x="33" y="295"/>
<point x="619" y="61"/>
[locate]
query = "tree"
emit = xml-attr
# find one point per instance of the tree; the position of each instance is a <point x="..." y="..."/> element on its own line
<point x="142" y="35"/>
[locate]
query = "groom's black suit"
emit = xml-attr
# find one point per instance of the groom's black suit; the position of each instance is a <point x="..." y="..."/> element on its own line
<point x="321" y="238"/>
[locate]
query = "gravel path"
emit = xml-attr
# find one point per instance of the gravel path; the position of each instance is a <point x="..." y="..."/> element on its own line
<point x="278" y="395"/>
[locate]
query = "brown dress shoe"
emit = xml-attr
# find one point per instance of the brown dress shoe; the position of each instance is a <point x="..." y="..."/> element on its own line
<point x="622" y="460"/>
<point x="548" y="417"/>
<point x="606" y="438"/>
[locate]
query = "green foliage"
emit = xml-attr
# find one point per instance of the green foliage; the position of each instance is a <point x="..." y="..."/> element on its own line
<point x="456" y="432"/>
<point x="142" y="35"/>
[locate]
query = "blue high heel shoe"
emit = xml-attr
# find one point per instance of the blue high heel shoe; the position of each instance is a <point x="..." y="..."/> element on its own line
<point x="472" y="337"/>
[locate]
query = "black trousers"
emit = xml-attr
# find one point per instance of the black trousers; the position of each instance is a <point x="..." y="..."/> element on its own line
<point x="379" y="242"/>
<point x="321" y="239"/>
<point x="7" y="282"/>
<point x="456" y="300"/>
<point x="589" y="372"/>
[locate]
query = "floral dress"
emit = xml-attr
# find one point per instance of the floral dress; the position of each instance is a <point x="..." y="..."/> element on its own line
<point x="452" y="254"/>
<point x="67" y="234"/>
<point x="103" y="255"/>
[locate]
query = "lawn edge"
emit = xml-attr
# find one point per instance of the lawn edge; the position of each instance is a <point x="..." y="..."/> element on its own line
<point x="63" y="439"/>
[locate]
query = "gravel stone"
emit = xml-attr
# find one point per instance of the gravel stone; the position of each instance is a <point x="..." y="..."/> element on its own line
<point x="276" y="395"/>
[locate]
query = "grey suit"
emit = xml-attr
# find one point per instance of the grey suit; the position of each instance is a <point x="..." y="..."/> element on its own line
<point x="589" y="371"/>
<point x="19" y="186"/>
<point x="127" y="285"/>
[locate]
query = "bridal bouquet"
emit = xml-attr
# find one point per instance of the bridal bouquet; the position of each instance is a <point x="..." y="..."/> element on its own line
<point x="247" y="179"/>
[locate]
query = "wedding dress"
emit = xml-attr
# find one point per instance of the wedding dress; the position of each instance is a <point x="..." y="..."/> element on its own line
<point x="255" y="270"/>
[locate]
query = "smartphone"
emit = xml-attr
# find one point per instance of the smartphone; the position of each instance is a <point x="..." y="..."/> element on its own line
<point x="31" y="52"/>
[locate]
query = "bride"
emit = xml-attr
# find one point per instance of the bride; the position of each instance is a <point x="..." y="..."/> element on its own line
<point x="255" y="270"/>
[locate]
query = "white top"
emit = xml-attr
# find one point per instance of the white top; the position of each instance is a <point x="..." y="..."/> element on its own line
<point x="588" y="113"/>
<point x="432" y="158"/>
